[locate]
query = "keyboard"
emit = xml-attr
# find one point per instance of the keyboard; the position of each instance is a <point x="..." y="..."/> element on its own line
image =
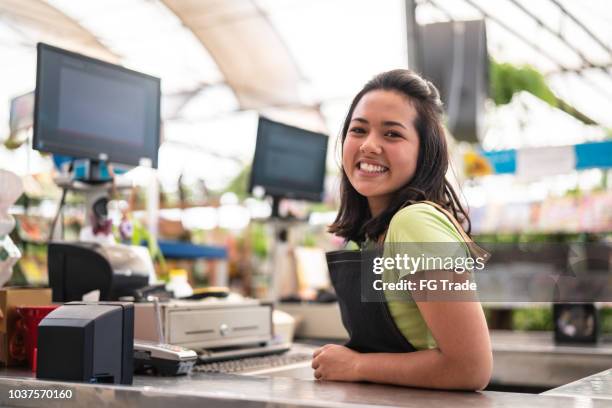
<point x="250" y="365"/>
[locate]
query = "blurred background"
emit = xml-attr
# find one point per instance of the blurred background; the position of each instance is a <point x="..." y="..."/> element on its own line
<point x="526" y="85"/>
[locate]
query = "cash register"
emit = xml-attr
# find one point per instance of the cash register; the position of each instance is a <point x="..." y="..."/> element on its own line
<point x="217" y="329"/>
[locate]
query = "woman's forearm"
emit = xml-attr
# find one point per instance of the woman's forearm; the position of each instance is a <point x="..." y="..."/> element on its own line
<point x="427" y="369"/>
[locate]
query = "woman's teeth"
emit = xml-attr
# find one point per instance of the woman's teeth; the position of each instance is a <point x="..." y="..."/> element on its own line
<point x="372" y="168"/>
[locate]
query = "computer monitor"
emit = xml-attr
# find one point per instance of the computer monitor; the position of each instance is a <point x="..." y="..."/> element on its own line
<point x="87" y="108"/>
<point x="289" y="162"/>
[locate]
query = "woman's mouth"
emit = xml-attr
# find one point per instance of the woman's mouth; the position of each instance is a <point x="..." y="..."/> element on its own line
<point x="371" y="169"/>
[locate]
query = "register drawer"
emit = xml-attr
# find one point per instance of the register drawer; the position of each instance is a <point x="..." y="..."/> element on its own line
<point x="219" y="326"/>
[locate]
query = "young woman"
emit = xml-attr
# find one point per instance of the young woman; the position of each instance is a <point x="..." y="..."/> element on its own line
<point x="394" y="162"/>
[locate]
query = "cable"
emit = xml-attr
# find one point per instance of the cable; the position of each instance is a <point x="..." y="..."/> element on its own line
<point x="63" y="224"/>
<point x="59" y="208"/>
<point x="57" y="214"/>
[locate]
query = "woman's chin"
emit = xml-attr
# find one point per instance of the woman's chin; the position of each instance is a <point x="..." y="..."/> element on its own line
<point x="371" y="193"/>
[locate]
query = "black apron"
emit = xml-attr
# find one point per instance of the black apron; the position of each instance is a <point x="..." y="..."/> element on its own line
<point x="370" y="326"/>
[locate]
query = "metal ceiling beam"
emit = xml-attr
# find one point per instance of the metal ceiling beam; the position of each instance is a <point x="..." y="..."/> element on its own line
<point x="562" y="104"/>
<point x="530" y="43"/>
<point x="506" y="27"/>
<point x="559" y="35"/>
<point x="583" y="27"/>
<point x="580" y="69"/>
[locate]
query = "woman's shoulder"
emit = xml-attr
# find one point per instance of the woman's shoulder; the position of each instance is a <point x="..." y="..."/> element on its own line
<point x="421" y="222"/>
<point x="417" y="214"/>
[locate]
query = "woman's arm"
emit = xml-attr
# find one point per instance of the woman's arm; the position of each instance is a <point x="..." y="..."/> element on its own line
<point x="462" y="360"/>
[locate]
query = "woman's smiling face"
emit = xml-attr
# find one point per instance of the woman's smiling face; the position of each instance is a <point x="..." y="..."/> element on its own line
<point x="381" y="148"/>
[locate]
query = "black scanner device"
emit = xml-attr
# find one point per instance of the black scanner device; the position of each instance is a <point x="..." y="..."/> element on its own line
<point x="78" y="268"/>
<point x="87" y="342"/>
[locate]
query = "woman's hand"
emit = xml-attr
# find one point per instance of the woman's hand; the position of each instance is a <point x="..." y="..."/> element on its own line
<point x="336" y="363"/>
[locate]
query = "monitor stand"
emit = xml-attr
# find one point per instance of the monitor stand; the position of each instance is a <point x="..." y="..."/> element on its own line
<point x="280" y="230"/>
<point x="276" y="215"/>
<point x="275" y="208"/>
<point x="92" y="171"/>
<point x="91" y="178"/>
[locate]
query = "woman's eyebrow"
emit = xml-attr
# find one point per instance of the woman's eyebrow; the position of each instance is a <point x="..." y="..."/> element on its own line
<point x="385" y="123"/>
<point x="393" y="123"/>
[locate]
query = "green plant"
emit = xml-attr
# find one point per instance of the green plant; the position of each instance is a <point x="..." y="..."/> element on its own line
<point x="507" y="79"/>
<point x="309" y="240"/>
<point x="259" y="240"/>
<point x="532" y="319"/>
<point x="239" y="184"/>
<point x="606" y="320"/>
<point x="141" y="234"/>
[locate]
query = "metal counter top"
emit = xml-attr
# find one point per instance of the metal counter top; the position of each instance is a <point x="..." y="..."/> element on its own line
<point x="595" y="386"/>
<point x="533" y="359"/>
<point x="223" y="390"/>
<point x="519" y="358"/>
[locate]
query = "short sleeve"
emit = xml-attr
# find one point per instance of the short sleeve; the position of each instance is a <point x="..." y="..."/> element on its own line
<point x="421" y="223"/>
<point x="425" y="235"/>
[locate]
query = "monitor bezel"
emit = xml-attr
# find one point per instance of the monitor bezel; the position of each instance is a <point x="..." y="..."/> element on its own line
<point x="84" y="154"/>
<point x="277" y="192"/>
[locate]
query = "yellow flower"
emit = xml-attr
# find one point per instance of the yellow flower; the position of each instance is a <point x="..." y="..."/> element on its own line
<point x="476" y="165"/>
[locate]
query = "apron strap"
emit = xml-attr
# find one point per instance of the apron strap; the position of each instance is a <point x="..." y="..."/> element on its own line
<point x="475" y="250"/>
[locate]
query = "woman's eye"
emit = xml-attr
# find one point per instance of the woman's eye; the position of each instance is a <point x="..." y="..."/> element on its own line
<point x="357" y="130"/>
<point x="393" y="134"/>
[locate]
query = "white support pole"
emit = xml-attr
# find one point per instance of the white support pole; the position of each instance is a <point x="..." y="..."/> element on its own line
<point x="152" y="203"/>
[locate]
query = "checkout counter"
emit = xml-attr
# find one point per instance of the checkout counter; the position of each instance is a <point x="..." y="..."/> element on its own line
<point x="230" y="390"/>
<point x="531" y="359"/>
<point x="522" y="360"/>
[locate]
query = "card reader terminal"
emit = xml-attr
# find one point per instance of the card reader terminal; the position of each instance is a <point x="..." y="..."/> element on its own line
<point x="163" y="359"/>
<point x="160" y="357"/>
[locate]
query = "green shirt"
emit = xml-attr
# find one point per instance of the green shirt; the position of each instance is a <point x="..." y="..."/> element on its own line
<point x="415" y="224"/>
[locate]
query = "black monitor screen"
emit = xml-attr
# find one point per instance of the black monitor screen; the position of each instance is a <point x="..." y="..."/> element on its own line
<point x="88" y="108"/>
<point x="289" y="161"/>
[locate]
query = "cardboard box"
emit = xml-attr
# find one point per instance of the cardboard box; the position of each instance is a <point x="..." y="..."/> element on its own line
<point x="10" y="299"/>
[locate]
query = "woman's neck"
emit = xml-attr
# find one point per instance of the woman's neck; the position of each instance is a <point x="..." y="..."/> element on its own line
<point x="378" y="204"/>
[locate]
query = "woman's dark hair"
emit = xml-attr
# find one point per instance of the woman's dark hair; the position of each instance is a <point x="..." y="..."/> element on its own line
<point x="354" y="221"/>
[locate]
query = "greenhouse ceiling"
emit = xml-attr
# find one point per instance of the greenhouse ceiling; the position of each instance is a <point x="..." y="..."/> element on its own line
<point x="301" y="61"/>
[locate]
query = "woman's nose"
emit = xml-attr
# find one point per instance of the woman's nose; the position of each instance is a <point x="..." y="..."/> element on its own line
<point x="370" y="145"/>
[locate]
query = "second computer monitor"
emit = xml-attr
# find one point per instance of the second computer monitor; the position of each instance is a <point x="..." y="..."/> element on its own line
<point x="289" y="162"/>
<point x="87" y="108"/>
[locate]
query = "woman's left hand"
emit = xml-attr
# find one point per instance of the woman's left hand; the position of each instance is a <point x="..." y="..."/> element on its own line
<point x="335" y="363"/>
